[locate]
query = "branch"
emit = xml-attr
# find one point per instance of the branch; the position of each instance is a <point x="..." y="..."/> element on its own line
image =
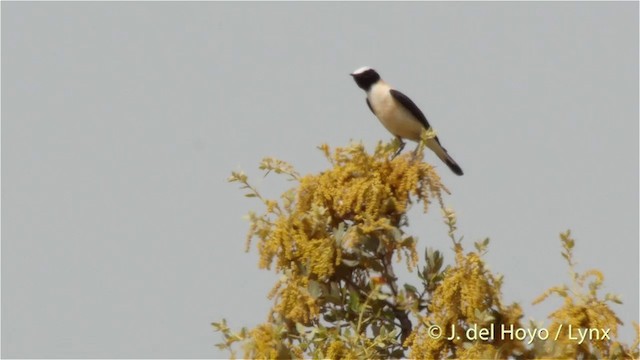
<point x="402" y="316"/>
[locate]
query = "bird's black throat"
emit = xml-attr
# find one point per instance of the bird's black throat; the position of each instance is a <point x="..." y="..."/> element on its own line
<point x="366" y="79"/>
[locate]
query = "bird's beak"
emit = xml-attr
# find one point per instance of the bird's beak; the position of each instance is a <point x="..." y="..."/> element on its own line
<point x="351" y="74"/>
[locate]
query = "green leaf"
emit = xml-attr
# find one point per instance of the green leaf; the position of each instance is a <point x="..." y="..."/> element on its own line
<point x="334" y="295"/>
<point x="375" y="329"/>
<point x="397" y="354"/>
<point x="350" y="263"/>
<point x="408" y="241"/>
<point x="384" y="331"/>
<point x="371" y="244"/>
<point x="315" y="289"/>
<point x="375" y="265"/>
<point x="301" y="329"/>
<point x="338" y="234"/>
<point x="354" y="301"/>
<point x="410" y="288"/>
<point x="396" y="234"/>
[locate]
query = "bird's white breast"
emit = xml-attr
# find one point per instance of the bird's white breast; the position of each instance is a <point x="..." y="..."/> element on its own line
<point x="395" y="118"/>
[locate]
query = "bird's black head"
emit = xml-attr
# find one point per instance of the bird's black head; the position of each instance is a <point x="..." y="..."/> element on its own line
<point x="365" y="77"/>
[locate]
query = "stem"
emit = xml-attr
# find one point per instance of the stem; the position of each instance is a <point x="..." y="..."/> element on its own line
<point x="364" y="308"/>
<point x="401" y="315"/>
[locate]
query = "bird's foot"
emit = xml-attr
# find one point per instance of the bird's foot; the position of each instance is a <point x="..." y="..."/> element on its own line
<point x="402" y="144"/>
<point x="414" y="153"/>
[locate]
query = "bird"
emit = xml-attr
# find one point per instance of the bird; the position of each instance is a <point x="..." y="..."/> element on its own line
<point x="399" y="114"/>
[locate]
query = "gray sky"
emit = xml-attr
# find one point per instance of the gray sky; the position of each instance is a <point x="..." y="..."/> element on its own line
<point x="122" y="121"/>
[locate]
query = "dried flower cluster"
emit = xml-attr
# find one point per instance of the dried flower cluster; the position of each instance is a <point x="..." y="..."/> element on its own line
<point x="335" y="238"/>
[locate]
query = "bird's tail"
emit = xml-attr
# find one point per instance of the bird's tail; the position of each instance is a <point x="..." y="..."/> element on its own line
<point x="452" y="164"/>
<point x="436" y="147"/>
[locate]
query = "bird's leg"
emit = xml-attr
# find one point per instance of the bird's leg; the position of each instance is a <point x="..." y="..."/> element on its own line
<point x="415" y="151"/>
<point x="402" y="144"/>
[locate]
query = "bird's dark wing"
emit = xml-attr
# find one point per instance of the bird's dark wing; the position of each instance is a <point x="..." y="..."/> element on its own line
<point x="411" y="106"/>
<point x="413" y="109"/>
<point x="370" y="108"/>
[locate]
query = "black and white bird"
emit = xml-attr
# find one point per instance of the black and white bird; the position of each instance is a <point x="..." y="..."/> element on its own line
<point x="399" y="114"/>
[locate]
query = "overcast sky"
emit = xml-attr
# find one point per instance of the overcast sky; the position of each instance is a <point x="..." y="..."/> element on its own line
<point x="122" y="121"/>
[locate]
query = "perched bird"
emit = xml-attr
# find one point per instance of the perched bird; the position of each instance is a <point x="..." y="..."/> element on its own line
<point x="398" y="113"/>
